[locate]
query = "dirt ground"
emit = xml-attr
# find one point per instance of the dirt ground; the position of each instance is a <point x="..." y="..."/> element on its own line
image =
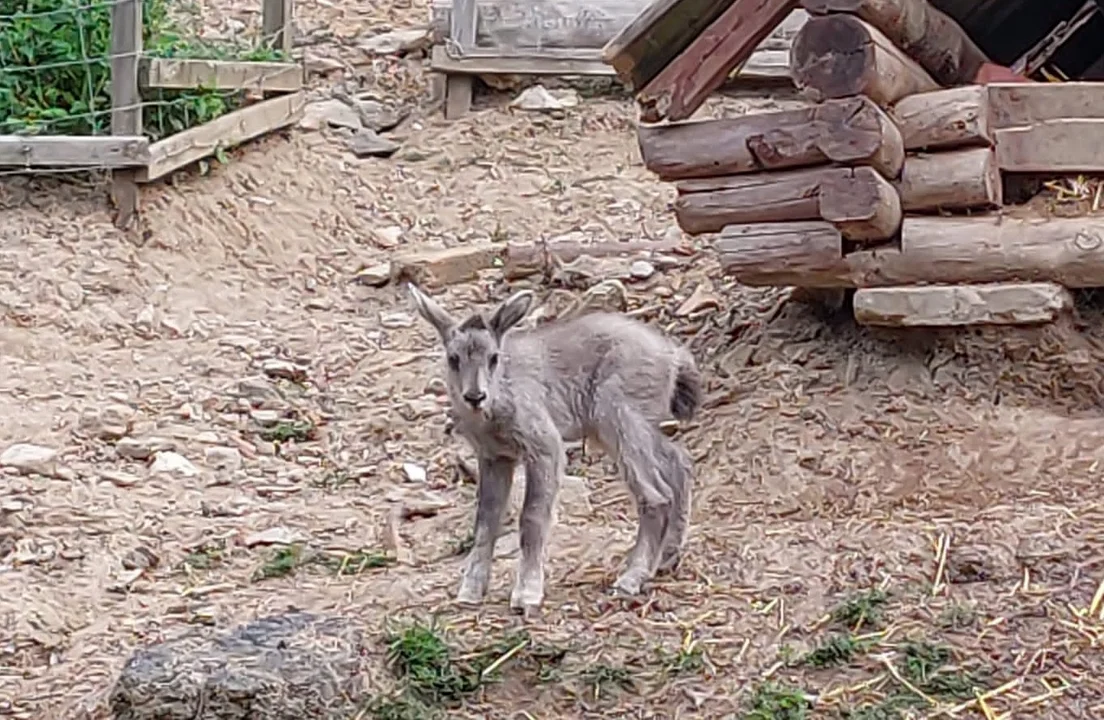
<point x="885" y="524"/>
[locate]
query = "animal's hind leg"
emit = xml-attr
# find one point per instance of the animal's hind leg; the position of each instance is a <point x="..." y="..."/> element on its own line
<point x="634" y="440"/>
<point x="678" y="471"/>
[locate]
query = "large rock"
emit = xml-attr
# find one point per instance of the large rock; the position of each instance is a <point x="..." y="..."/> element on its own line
<point x="295" y="666"/>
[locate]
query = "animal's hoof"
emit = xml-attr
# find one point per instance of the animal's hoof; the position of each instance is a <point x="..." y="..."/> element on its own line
<point x="626" y="586"/>
<point x="525" y="602"/>
<point x="469" y="595"/>
<point x="669" y="562"/>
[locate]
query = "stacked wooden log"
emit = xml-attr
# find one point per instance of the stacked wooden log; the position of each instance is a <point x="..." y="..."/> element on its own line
<point x="880" y="183"/>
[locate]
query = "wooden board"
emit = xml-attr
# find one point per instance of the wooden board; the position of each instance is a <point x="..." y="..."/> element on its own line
<point x="1017" y="104"/>
<point x="116" y="151"/>
<point x="681" y="87"/>
<point x="572" y="34"/>
<point x="184" y="148"/>
<point x="220" y="75"/>
<point x="1054" y="146"/>
<point x="961" y="305"/>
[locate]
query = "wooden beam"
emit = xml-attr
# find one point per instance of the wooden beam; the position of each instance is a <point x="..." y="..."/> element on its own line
<point x="525" y="259"/>
<point x="926" y="34"/>
<point x="656" y="36"/>
<point x="944" y="119"/>
<point x="858" y="201"/>
<point x="114" y="151"/>
<point x="126" y="100"/>
<point x="840" y="55"/>
<point x="184" y="148"/>
<point x="276" y="25"/>
<point x="1053" y="146"/>
<point x="961" y="305"/>
<point x="933" y="250"/>
<point x="680" y="88"/>
<point x="850" y="131"/>
<point x="941" y="181"/>
<point x="172" y="73"/>
<point x="1019" y="104"/>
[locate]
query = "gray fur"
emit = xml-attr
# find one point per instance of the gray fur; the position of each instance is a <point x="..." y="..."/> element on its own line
<point x="602" y="377"/>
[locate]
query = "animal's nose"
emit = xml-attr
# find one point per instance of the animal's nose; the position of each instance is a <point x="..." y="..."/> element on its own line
<point x="475" y="399"/>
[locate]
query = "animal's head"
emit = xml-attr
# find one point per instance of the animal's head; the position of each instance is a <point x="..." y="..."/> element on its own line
<point x="472" y="346"/>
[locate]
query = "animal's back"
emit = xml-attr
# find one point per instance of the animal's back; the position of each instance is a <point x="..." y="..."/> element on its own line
<point x="589" y="359"/>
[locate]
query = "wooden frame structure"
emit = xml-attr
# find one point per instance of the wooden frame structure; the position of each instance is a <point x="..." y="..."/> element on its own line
<point x="131" y="157"/>
<point x="489" y="37"/>
<point x="891" y="182"/>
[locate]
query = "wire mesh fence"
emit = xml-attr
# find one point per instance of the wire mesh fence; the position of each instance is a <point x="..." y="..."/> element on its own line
<point x="56" y="64"/>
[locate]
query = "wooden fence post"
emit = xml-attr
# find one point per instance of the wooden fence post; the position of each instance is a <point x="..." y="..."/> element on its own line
<point x="126" y="100"/>
<point x="458" y="86"/>
<point x="276" y="25"/>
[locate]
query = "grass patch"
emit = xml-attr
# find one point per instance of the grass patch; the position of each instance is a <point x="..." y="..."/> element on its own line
<point x="57" y="69"/>
<point x="285" y="560"/>
<point x="864" y="608"/>
<point x="290" y="430"/>
<point x="958" y="617"/>
<point x="776" y="701"/>
<point x="835" y="650"/>
<point x="601" y="679"/>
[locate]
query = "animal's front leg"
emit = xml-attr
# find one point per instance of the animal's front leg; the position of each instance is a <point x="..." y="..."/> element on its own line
<point x="543" y="474"/>
<point x="495" y="478"/>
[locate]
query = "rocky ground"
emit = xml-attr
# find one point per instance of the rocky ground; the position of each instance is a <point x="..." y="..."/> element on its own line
<point x="230" y="414"/>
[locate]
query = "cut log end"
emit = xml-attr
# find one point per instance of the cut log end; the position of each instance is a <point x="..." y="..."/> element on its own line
<point x="960" y="305"/>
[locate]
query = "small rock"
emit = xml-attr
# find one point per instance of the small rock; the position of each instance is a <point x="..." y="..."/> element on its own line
<point x="222" y="458"/>
<point x="375" y="276"/>
<point x="28" y="458"/>
<point x="265" y="418"/>
<point x="274" y="536"/>
<point x="171" y="463"/>
<point x="396" y="320"/>
<point x="538" y="98"/>
<point x="368" y="143"/>
<point x="72" y="293"/>
<point x="109" y="423"/>
<point x="257" y="389"/>
<point x="119" y="478"/>
<point x="140" y="558"/>
<point x="283" y="369"/>
<point x="142" y="448"/>
<point x="414" y="473"/>
<point x="330" y="112"/>
<point x="386" y="237"/>
<point x="396" y="42"/>
<point x="318" y="65"/>
<point x="241" y="342"/>
<point x="641" y="269"/>
<point x="375" y="115"/>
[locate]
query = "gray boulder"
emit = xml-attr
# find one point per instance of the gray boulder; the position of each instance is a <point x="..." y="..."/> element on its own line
<point x="294" y="666"/>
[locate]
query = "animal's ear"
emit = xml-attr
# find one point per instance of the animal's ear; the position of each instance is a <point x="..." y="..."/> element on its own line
<point x="511" y="312"/>
<point x="433" y="313"/>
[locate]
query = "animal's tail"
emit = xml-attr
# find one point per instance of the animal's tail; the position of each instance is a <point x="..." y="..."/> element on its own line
<point x="686" y="397"/>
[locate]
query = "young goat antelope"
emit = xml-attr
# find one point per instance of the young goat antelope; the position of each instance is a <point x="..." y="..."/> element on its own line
<point x="518" y="395"/>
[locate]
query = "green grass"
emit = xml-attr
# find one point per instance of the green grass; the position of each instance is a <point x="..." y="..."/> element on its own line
<point x="777" y="701"/>
<point x="834" y="650"/>
<point x="866" y="608"/>
<point x="286" y="560"/>
<point x="55" y="69"/>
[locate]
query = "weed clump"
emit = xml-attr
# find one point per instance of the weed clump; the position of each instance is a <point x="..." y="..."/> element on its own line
<point x="55" y="69"/>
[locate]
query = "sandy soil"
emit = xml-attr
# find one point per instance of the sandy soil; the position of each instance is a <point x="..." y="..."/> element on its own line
<point x="957" y="472"/>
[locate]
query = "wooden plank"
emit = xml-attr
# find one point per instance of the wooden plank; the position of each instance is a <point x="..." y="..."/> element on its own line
<point x="1054" y="146"/>
<point x="184" y="148"/>
<point x="220" y="75"/>
<point x="126" y="100"/>
<point x="276" y="27"/>
<point x="683" y="85"/>
<point x="1016" y="104"/>
<point x="962" y="305"/>
<point x="764" y="64"/>
<point x="513" y="25"/>
<point x="115" y="151"/>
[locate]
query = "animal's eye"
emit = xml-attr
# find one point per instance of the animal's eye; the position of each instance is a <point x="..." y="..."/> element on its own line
<point x="492" y="361"/>
<point x="454" y="362"/>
